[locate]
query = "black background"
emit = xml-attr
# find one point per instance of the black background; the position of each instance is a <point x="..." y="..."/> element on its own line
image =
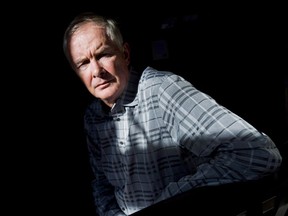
<point x="237" y="53"/>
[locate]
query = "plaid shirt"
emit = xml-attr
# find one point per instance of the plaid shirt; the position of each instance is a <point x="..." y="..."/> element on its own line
<point x="164" y="137"/>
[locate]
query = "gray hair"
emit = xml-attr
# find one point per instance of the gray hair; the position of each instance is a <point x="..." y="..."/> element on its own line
<point x="110" y="26"/>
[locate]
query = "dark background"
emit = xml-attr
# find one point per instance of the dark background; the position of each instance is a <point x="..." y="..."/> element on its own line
<point x="237" y="53"/>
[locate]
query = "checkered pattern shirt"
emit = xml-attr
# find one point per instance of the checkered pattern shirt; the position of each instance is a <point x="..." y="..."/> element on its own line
<point x="164" y="137"/>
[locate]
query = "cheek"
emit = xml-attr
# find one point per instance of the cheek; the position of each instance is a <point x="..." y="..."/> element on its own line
<point x="86" y="79"/>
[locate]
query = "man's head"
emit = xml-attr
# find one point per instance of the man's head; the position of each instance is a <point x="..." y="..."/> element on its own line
<point x="95" y="50"/>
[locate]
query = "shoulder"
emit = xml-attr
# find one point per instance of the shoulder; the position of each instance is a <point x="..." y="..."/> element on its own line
<point x="151" y="77"/>
<point x="151" y="74"/>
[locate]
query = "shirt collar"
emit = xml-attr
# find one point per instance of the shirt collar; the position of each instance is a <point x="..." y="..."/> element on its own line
<point x="129" y="96"/>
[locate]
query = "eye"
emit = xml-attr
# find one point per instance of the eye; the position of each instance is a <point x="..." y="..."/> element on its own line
<point x="83" y="64"/>
<point x="102" y="55"/>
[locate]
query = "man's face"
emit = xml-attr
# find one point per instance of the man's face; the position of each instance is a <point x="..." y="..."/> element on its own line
<point x="99" y="63"/>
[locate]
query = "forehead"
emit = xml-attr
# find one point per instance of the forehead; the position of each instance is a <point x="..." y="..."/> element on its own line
<point x="87" y="36"/>
<point x="87" y="39"/>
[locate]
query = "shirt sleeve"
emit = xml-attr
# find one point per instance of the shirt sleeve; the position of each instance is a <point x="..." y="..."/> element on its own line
<point x="224" y="147"/>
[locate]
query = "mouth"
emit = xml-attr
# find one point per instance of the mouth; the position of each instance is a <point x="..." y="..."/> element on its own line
<point x="104" y="84"/>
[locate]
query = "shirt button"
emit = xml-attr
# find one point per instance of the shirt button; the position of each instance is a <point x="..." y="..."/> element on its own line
<point x="118" y="119"/>
<point x="121" y="143"/>
<point x="123" y="209"/>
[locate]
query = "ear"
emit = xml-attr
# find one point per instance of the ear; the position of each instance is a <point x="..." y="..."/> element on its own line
<point x="126" y="52"/>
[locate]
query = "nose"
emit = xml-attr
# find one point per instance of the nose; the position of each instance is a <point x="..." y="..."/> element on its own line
<point x="97" y="69"/>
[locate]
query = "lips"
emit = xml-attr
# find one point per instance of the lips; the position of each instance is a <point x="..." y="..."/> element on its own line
<point x="104" y="84"/>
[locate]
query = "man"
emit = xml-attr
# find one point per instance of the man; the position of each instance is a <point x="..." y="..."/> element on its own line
<point x="153" y="135"/>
